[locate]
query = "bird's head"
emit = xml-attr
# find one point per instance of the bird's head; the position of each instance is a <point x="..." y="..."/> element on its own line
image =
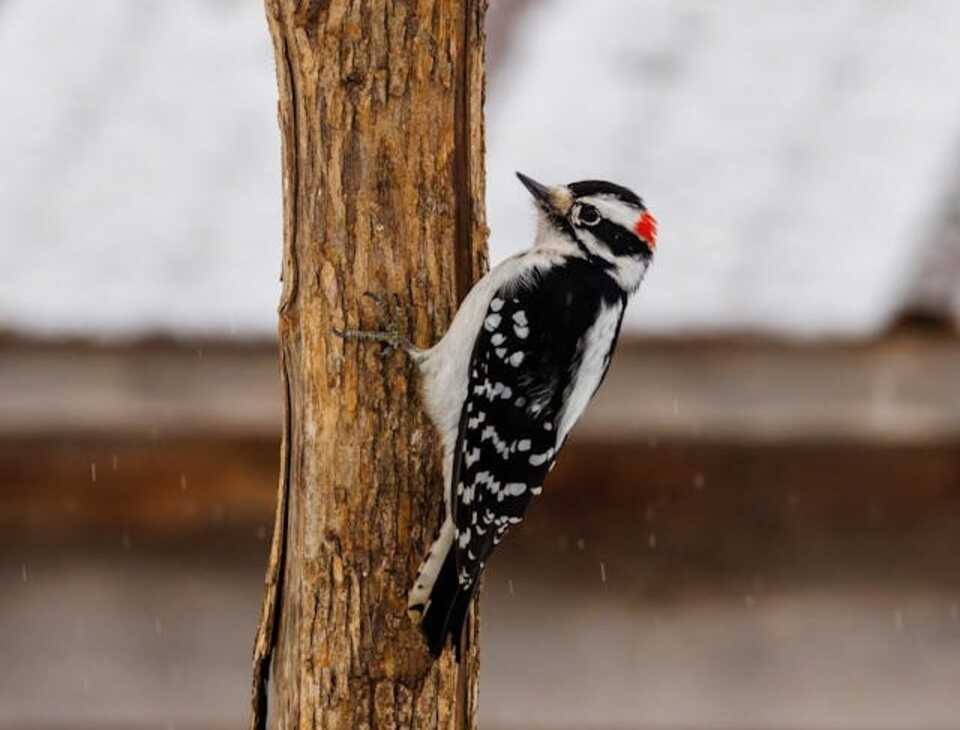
<point x="609" y="223"/>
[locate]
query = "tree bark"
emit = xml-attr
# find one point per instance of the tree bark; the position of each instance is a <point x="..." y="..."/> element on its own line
<point x="380" y="114"/>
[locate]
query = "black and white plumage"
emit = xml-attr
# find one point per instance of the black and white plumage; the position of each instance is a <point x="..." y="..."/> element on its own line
<point x="525" y="353"/>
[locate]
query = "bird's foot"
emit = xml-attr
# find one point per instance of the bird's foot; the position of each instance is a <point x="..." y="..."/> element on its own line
<point x="391" y="336"/>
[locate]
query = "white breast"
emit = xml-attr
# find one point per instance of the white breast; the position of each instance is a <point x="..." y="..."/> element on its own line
<point x="594" y="348"/>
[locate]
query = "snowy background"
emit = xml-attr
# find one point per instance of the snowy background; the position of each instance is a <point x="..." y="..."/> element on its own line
<point x="741" y="534"/>
<point x="797" y="156"/>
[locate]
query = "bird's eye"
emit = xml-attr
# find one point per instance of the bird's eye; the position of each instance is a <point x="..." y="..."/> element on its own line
<point x="588" y="215"/>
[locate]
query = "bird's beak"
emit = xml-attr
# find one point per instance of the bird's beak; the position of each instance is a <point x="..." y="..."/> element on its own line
<point x="555" y="200"/>
<point x="538" y="190"/>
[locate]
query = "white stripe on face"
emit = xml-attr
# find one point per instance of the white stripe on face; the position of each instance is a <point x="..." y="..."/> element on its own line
<point x="614" y="210"/>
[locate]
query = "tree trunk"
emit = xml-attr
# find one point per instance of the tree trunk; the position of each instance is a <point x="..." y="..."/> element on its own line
<point x="381" y="120"/>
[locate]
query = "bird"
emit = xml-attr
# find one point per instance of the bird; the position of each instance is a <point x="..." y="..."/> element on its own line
<point x="524" y="354"/>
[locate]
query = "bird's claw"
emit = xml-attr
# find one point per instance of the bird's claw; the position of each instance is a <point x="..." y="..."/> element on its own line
<point x="391" y="337"/>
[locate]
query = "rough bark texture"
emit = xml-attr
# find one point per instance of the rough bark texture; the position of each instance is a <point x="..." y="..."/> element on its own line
<point x="381" y="118"/>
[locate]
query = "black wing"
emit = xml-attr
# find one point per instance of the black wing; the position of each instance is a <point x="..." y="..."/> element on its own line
<point x="520" y="375"/>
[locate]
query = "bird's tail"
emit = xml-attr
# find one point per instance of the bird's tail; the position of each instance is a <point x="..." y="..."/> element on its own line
<point x="437" y="601"/>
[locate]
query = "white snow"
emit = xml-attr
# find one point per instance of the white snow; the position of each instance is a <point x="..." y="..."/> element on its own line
<point x="794" y="153"/>
<point x="795" y="156"/>
<point x="140" y="184"/>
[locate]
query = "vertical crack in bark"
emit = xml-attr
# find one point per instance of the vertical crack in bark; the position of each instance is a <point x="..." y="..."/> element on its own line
<point x="464" y="276"/>
<point x="291" y="177"/>
<point x="266" y="638"/>
<point x="462" y="173"/>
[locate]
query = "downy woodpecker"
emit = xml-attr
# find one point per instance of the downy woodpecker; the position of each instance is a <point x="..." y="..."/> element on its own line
<point x="525" y="353"/>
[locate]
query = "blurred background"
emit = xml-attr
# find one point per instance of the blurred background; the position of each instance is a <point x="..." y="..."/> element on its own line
<point x="757" y="523"/>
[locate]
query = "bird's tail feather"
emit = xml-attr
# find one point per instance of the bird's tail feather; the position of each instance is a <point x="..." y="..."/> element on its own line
<point x="437" y="601"/>
<point x="447" y="610"/>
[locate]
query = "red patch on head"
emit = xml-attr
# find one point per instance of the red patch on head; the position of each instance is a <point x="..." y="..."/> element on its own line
<point x="646" y="228"/>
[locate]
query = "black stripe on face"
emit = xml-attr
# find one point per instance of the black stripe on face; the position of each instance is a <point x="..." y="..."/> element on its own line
<point x="567" y="228"/>
<point x="619" y="240"/>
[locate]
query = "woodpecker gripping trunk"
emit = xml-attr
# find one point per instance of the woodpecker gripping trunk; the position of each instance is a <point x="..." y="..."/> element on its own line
<point x="380" y="112"/>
